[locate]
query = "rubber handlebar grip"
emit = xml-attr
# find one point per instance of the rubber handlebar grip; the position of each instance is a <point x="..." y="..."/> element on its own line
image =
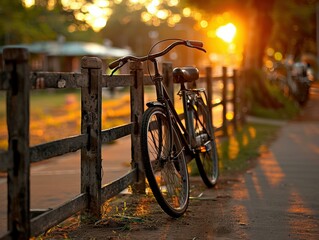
<point x="196" y="43"/>
<point x="114" y="64"/>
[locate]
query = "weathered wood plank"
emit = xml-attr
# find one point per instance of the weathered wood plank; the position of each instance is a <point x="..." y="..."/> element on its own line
<point x="4" y="80"/>
<point x="235" y="99"/>
<point x="137" y="109"/>
<point x="6" y="236"/>
<point x="116" y="132"/>
<point x="213" y="78"/>
<point x="91" y="109"/>
<point x="18" y="104"/>
<point x="209" y="90"/>
<point x="147" y="80"/>
<point x="117" y="80"/>
<point x="51" y="218"/>
<point x="112" y="189"/>
<point x="123" y="80"/>
<point x="4" y="161"/>
<point x="218" y="129"/>
<point x="42" y="80"/>
<point x="57" y="148"/>
<point x="36" y="212"/>
<point x="224" y="100"/>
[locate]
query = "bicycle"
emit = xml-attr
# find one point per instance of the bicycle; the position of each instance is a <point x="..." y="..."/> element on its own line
<point x="168" y="144"/>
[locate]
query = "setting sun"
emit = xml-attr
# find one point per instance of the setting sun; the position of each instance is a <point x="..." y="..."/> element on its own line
<point x="226" y="32"/>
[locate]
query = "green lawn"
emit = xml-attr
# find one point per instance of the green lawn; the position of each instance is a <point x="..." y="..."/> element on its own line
<point x="237" y="151"/>
<point x="57" y="114"/>
<point x="241" y="147"/>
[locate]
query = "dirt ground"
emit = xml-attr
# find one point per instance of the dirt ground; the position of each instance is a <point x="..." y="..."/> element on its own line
<point x="140" y="217"/>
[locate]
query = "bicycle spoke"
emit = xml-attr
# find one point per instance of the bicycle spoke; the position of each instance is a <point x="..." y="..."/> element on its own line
<point x="164" y="162"/>
<point x="206" y="158"/>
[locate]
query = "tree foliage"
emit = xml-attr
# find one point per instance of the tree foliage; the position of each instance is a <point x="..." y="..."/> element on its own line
<point x="294" y="30"/>
<point x="286" y="26"/>
<point x="23" y="25"/>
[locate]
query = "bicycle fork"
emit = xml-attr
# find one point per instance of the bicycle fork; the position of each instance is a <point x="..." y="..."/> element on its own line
<point x="200" y="141"/>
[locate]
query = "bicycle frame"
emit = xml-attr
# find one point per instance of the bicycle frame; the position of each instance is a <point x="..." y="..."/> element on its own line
<point x="186" y="132"/>
<point x="168" y="143"/>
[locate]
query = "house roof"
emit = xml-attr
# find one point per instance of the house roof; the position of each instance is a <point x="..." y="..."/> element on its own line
<point x="73" y="49"/>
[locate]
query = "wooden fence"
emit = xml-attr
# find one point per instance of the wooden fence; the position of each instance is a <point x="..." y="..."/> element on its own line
<point x="17" y="81"/>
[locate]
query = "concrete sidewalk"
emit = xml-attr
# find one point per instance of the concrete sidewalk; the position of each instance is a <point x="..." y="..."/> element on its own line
<point x="279" y="198"/>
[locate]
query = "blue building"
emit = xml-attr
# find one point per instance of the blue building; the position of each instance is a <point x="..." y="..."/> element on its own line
<point x="66" y="56"/>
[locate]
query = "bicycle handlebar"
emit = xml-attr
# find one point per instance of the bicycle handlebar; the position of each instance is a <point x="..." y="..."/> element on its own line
<point x="123" y="60"/>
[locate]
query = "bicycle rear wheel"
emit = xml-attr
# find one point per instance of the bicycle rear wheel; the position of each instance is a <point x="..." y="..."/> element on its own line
<point x="206" y="151"/>
<point x="164" y="162"/>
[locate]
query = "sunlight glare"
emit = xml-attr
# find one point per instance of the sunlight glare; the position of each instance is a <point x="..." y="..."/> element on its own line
<point x="28" y="3"/>
<point x="226" y="32"/>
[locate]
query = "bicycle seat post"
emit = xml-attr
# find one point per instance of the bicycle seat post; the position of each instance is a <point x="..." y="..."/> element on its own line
<point x="158" y="82"/>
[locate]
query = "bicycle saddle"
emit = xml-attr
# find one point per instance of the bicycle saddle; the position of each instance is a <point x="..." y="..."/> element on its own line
<point x="185" y="74"/>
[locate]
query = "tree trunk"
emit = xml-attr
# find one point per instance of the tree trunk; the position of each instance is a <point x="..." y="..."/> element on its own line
<point x="259" y="28"/>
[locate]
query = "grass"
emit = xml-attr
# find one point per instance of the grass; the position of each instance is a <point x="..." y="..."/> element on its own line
<point x="290" y="108"/>
<point x="244" y="145"/>
<point x="237" y="151"/>
<point x="57" y="114"/>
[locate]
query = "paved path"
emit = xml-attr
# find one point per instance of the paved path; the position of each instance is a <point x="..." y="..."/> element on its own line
<point x="57" y="180"/>
<point x="279" y="198"/>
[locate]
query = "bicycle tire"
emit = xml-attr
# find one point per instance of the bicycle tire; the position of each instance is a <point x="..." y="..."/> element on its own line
<point x="206" y="151"/>
<point x="164" y="162"/>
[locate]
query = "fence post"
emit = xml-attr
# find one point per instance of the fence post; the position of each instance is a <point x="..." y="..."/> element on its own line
<point x="224" y="101"/>
<point x="209" y="88"/>
<point x="235" y="98"/>
<point x="242" y="101"/>
<point x="91" y="162"/>
<point x="137" y="109"/>
<point x="168" y="79"/>
<point x="18" y="95"/>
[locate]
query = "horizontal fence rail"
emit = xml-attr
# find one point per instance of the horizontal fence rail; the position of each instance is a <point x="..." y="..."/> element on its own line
<point x="17" y="81"/>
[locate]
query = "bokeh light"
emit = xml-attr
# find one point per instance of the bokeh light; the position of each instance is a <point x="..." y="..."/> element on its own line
<point x="226" y="32"/>
<point x="96" y="13"/>
<point x="278" y="56"/>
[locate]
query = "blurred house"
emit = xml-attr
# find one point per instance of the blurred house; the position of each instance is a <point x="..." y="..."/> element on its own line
<point x="59" y="56"/>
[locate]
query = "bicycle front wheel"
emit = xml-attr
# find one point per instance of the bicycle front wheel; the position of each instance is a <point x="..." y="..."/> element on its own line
<point x="164" y="162"/>
<point x="206" y="151"/>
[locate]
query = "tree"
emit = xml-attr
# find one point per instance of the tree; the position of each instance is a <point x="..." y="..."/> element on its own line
<point x="19" y="24"/>
<point x="256" y="16"/>
<point x="294" y="30"/>
<point x="287" y="26"/>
